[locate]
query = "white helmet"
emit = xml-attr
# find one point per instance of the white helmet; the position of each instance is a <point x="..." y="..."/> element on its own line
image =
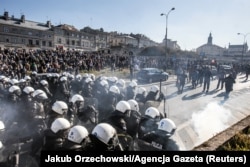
<point x="112" y="79"/>
<point x="104" y="132"/>
<point x="6" y="79"/>
<point x="2" y="77"/>
<point x="14" y="88"/>
<point x="167" y="125"/>
<point x="60" y="124"/>
<point x="104" y="83"/>
<point x="49" y="75"/>
<point x="92" y="76"/>
<point x="56" y="75"/>
<point x="115" y="79"/>
<point x="14" y="81"/>
<point x="37" y="92"/>
<point x="103" y="78"/>
<point x="40" y="94"/>
<point x="34" y="73"/>
<point x="154" y="88"/>
<point x="76" y="98"/>
<point x="121" y="83"/>
<point x="2" y="127"/>
<point x="22" y="80"/>
<point x="27" y="78"/>
<point x="44" y="82"/>
<point x="62" y="79"/>
<point x="85" y="75"/>
<point x="141" y="90"/>
<point x="78" y="77"/>
<point x="152" y="112"/>
<point x="71" y="76"/>
<point x="114" y="89"/>
<point x="133" y="84"/>
<point x="65" y="73"/>
<point x="88" y="80"/>
<point x="77" y="134"/>
<point x="122" y="106"/>
<point x="60" y="107"/>
<point x="28" y="90"/>
<point x="133" y="105"/>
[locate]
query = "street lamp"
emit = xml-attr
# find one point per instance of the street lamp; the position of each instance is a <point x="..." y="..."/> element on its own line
<point x="166" y="36"/>
<point x="244" y="41"/>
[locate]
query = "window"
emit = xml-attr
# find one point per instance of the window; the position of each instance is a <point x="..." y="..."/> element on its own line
<point x="5" y="29"/>
<point x="37" y="42"/>
<point x="78" y="43"/>
<point x="44" y="43"/>
<point x="59" y="40"/>
<point x="50" y="44"/>
<point x="22" y="40"/>
<point x="14" y="40"/>
<point x="29" y="33"/>
<point x="14" y="30"/>
<point x="30" y="42"/>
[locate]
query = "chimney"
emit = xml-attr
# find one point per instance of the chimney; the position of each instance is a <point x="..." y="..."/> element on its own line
<point x="6" y="15"/>
<point x="23" y="18"/>
<point x="49" y="24"/>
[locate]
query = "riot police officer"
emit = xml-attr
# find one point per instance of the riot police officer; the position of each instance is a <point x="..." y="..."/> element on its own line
<point x="55" y="135"/>
<point x="118" y="119"/>
<point x="77" y="139"/>
<point x="161" y="137"/>
<point x="149" y="121"/>
<point x="104" y="138"/>
<point x="59" y="110"/>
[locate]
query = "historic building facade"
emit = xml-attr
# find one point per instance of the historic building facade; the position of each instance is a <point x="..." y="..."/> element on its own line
<point x="209" y="50"/>
<point x="21" y="33"/>
<point x="25" y="34"/>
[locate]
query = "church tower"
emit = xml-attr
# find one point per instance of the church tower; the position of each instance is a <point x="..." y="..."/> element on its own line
<point x="210" y="39"/>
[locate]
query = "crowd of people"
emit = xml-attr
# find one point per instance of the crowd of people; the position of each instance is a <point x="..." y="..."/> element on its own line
<point x="16" y="63"/>
<point x="200" y="75"/>
<point x="62" y="109"/>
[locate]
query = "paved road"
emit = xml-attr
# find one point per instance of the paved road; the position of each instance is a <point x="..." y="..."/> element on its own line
<point x="199" y="116"/>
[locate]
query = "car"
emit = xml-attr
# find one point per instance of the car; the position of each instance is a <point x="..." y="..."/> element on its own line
<point x="150" y="75"/>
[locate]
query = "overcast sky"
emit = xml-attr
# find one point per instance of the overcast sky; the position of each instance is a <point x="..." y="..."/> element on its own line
<point x="189" y="24"/>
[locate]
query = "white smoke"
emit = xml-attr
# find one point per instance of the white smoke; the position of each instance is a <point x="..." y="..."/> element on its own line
<point x="210" y="121"/>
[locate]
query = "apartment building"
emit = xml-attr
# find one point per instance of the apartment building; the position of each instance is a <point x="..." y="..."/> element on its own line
<point x="21" y="33"/>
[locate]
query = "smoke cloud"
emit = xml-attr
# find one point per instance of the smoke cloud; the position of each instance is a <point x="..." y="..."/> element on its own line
<point x="210" y="121"/>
